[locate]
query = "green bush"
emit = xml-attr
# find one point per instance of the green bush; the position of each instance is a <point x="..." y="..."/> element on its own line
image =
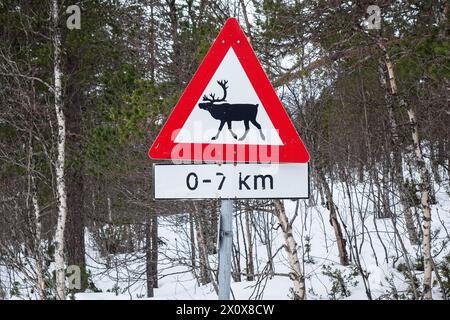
<point x="444" y="271"/>
<point x="340" y="282"/>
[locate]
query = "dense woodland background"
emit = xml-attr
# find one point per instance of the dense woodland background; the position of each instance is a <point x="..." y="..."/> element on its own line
<point x="80" y="108"/>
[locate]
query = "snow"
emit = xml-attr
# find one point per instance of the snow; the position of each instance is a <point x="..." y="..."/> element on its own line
<point x="178" y="282"/>
<point x="125" y="277"/>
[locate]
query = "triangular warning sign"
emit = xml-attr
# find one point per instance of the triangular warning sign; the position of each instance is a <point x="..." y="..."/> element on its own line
<point x="229" y="111"/>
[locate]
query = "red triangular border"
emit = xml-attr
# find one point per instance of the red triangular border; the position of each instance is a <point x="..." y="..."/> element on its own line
<point x="231" y="35"/>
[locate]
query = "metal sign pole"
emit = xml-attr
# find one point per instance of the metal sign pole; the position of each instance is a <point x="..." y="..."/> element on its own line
<point x="225" y="244"/>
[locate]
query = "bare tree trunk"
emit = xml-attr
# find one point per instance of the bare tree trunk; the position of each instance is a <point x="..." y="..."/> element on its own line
<point x="154" y="250"/>
<point x="192" y="241"/>
<point x="204" y="277"/>
<point x="250" y="266"/>
<point x="37" y="240"/>
<point x="37" y="221"/>
<point x="151" y="253"/>
<point x="206" y="273"/>
<point x="236" y="267"/>
<point x="424" y="177"/>
<point x="434" y="165"/>
<point x="202" y="249"/>
<point x="60" y="161"/>
<point x="38" y="250"/>
<point x="237" y="252"/>
<point x="343" y="255"/>
<point x="152" y="50"/>
<point x="425" y="200"/>
<point x="74" y="175"/>
<point x="177" y="65"/>
<point x="395" y="144"/>
<point x="291" y="248"/>
<point x="148" y="259"/>
<point x="212" y="230"/>
<point x="247" y="22"/>
<point x="74" y="233"/>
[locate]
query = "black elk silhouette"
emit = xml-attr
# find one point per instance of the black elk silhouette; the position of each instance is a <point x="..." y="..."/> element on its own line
<point x="227" y="112"/>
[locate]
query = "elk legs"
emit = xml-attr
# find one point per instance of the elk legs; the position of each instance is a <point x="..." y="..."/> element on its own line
<point x="247" y="128"/>
<point x="222" y="123"/>
<point x="229" y="128"/>
<point x="257" y="125"/>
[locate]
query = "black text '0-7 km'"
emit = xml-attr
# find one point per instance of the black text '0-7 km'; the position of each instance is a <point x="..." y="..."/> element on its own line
<point x="259" y="180"/>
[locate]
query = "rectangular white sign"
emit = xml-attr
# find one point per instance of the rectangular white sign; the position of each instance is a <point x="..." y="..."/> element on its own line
<point x="231" y="181"/>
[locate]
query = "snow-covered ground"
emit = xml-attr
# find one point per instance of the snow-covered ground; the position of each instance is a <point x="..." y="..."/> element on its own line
<point x="380" y="257"/>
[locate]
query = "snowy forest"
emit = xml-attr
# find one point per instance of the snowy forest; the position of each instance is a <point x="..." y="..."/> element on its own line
<point x="86" y="86"/>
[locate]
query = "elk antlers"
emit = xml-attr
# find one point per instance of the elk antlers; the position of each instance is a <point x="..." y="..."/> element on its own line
<point x="212" y="96"/>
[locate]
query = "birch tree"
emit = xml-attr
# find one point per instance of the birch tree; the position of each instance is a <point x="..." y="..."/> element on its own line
<point x="60" y="161"/>
<point x="37" y="224"/>
<point x="341" y="242"/>
<point x="424" y="175"/>
<point x="290" y="245"/>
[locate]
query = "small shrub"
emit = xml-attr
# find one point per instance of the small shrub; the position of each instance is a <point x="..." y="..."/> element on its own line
<point x="444" y="271"/>
<point x="309" y="259"/>
<point x="403" y="269"/>
<point x="15" y="289"/>
<point x="340" y="282"/>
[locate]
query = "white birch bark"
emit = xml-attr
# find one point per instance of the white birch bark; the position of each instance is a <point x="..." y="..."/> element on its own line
<point x="397" y="156"/>
<point x="424" y="180"/>
<point x="60" y="161"/>
<point x="341" y="242"/>
<point x="40" y="285"/>
<point x="291" y="248"/>
<point x="38" y="245"/>
<point x="425" y="200"/>
<point x="250" y="266"/>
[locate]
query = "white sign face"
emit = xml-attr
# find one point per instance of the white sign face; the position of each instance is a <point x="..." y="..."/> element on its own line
<point x="231" y="181"/>
<point x="229" y="85"/>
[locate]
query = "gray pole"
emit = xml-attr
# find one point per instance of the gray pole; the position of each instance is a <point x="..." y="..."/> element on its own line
<point x="225" y="243"/>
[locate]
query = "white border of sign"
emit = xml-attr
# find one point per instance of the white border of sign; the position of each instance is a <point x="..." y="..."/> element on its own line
<point x="231" y="181"/>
